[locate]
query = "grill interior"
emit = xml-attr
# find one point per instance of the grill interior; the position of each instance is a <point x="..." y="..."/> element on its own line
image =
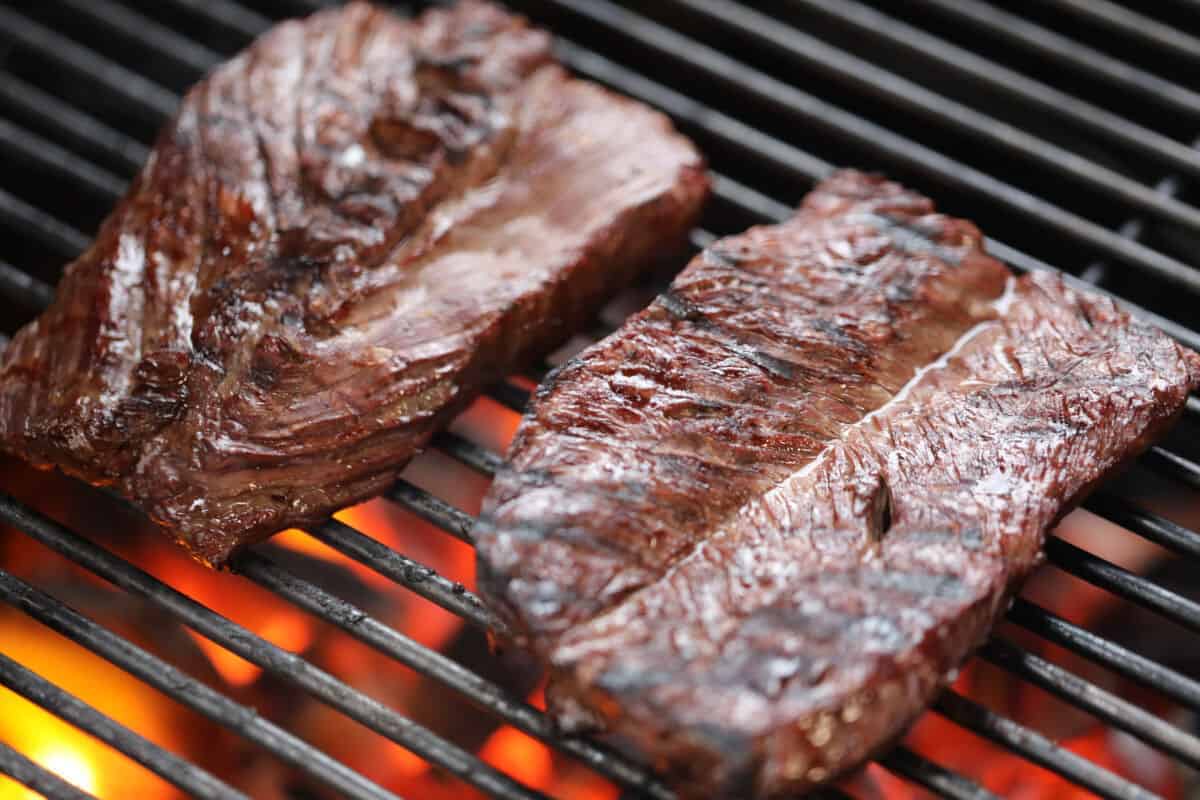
<point x="1063" y="132"/>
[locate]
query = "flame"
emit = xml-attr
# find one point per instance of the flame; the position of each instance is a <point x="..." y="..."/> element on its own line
<point x="65" y="750"/>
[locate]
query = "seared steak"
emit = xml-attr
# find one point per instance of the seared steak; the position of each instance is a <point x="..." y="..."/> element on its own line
<point x="344" y="234"/>
<point x="755" y="530"/>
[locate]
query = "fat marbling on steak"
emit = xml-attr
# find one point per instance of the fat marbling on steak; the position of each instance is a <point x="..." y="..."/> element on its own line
<point x="345" y="232"/>
<point x="754" y="530"/>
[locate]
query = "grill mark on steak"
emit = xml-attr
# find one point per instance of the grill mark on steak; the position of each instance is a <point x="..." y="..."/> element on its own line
<point x="757" y="632"/>
<point x="344" y="234"/>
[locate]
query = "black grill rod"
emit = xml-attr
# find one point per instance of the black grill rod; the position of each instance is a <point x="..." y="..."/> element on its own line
<point x="143" y="97"/>
<point x="1122" y="582"/>
<point x="19" y="216"/>
<point x="189" y="777"/>
<point x="183" y="688"/>
<point x="1101" y="704"/>
<point x="1130" y="24"/>
<point x="234" y="17"/>
<point x="38" y="778"/>
<point x="135" y="27"/>
<point x="432" y="509"/>
<point x="1172" y="466"/>
<point x="1095" y="119"/>
<point x="800" y="105"/>
<point x="83" y="132"/>
<point x="791" y="161"/>
<point x="275" y="660"/>
<point x="1036" y="748"/>
<point x="483" y="693"/>
<point x="1136" y="227"/>
<point x="849" y="69"/>
<point x="417" y="577"/>
<point x="933" y="777"/>
<point x="48" y="156"/>
<point x="1034" y="38"/>
<point x="24" y="288"/>
<point x="1112" y="656"/>
<point x="1150" y="526"/>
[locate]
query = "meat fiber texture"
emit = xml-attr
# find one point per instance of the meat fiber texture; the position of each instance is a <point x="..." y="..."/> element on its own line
<point x="344" y="233"/>
<point x="755" y="530"/>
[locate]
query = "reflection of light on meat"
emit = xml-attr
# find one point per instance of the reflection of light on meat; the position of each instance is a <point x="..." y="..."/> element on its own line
<point x="65" y="750"/>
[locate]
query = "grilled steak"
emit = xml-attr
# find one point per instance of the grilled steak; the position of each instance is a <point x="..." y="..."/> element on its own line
<point x="757" y="528"/>
<point x="345" y="233"/>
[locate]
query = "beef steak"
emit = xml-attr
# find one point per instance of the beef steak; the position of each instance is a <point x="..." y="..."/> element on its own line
<point x="344" y="233"/>
<point x="756" y="529"/>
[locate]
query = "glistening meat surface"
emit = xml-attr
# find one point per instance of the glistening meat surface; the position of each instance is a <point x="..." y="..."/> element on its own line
<point x="344" y="234"/>
<point x="756" y="529"/>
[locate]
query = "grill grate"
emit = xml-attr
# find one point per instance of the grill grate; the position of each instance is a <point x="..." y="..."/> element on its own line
<point x="742" y="115"/>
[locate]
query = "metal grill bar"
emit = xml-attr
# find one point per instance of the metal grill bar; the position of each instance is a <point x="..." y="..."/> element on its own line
<point x="1042" y="96"/>
<point x="1122" y="582"/>
<point x="1046" y="43"/>
<point x="1036" y="748"/>
<point x="408" y="573"/>
<point x="145" y="99"/>
<point x="798" y="46"/>
<point x="1172" y="466"/>
<point x="136" y="27"/>
<point x="933" y="777"/>
<point x="1124" y="662"/>
<point x="264" y="654"/>
<point x="235" y="17"/>
<point x="24" y="288"/>
<point x="800" y="105"/>
<point x="1102" y="704"/>
<point x="1152" y="527"/>
<point x="180" y="686"/>
<point x="83" y="131"/>
<point x="57" y="161"/>
<point x="1131" y="24"/>
<point x="36" y="777"/>
<point x="62" y="704"/>
<point x="20" y="216"/>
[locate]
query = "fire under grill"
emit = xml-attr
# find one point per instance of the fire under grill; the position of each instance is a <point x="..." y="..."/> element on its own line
<point x="1085" y="167"/>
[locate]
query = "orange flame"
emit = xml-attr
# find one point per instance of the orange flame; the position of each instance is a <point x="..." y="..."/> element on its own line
<point x="65" y="750"/>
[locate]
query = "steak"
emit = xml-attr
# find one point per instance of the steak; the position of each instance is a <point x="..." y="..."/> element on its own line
<point x="755" y="530"/>
<point x="342" y="236"/>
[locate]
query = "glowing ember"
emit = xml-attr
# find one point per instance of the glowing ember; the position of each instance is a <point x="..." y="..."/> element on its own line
<point x="525" y="758"/>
